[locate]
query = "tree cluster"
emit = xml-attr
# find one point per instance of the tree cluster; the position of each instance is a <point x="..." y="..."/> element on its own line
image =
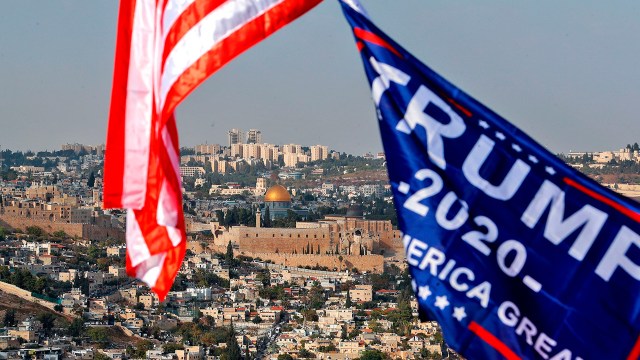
<point x="237" y="216"/>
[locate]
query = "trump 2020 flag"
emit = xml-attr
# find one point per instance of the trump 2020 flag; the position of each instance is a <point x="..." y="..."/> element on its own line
<point x="164" y="50"/>
<point x="514" y="253"/>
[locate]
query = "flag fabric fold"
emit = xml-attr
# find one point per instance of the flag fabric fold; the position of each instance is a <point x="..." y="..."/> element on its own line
<point x="164" y="50"/>
<point x="514" y="253"/>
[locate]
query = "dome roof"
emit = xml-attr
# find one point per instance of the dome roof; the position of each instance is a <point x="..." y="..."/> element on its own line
<point x="277" y="193"/>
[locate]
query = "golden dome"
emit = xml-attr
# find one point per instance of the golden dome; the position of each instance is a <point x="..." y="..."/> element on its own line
<point x="277" y="193"/>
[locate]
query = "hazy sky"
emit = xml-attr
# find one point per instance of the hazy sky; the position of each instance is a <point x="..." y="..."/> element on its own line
<point x="566" y="72"/>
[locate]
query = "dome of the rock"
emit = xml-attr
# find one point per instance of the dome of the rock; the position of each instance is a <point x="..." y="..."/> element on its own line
<point x="277" y="193"/>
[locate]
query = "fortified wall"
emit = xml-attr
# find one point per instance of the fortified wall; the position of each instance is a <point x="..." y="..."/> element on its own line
<point x="376" y="236"/>
<point x="370" y="263"/>
<point x="85" y="231"/>
<point x="24" y="294"/>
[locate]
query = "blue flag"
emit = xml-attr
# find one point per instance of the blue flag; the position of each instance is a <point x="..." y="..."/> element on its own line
<point x="513" y="252"/>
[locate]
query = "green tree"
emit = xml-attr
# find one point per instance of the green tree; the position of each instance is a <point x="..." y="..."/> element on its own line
<point x="316" y="296"/>
<point x="76" y="328"/>
<point x="229" y="255"/>
<point x="91" y="181"/>
<point x="233" y="349"/>
<point x="60" y="234"/>
<point x="310" y="315"/>
<point x="348" y="303"/>
<point x="266" y="220"/>
<point x="373" y="355"/>
<point x="35" y="231"/>
<point x="47" y="320"/>
<point x="285" y="357"/>
<point x="98" y="334"/>
<point x="264" y="277"/>
<point x="140" y="351"/>
<point x="220" y="216"/>
<point x="9" y="318"/>
<point x="100" y="356"/>
<point x="170" y="348"/>
<point x="306" y="354"/>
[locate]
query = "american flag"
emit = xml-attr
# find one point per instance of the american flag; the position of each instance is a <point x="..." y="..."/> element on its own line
<point x="164" y="50"/>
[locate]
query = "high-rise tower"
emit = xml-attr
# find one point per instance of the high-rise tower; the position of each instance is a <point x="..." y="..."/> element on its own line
<point x="254" y="136"/>
<point x="235" y="136"/>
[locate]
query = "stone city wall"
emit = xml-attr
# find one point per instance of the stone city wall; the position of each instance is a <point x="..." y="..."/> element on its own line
<point x="24" y="294"/>
<point x="297" y="245"/>
<point x="86" y="231"/>
<point x="392" y="245"/>
<point x="370" y="263"/>
<point x="20" y="222"/>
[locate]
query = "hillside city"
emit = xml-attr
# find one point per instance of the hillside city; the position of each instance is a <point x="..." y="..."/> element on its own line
<point x="293" y="253"/>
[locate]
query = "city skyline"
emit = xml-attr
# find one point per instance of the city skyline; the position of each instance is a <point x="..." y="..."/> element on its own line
<point x="564" y="74"/>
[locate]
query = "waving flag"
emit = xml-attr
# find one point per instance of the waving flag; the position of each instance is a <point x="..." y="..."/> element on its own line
<point x="513" y="252"/>
<point x="164" y="50"/>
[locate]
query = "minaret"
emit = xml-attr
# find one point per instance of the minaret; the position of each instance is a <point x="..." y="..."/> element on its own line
<point x="258" y="218"/>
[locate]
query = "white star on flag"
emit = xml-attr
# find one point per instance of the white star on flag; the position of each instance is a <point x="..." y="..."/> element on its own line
<point x="424" y="292"/>
<point x="459" y="313"/>
<point x="516" y="147"/>
<point x="483" y="124"/>
<point x="500" y="135"/>
<point x="550" y="170"/>
<point x="533" y="159"/>
<point x="441" y="302"/>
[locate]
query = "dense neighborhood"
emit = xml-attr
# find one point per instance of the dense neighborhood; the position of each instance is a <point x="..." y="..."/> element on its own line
<point x="286" y="260"/>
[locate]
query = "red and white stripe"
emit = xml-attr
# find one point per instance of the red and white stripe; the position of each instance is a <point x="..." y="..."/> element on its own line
<point x="164" y="50"/>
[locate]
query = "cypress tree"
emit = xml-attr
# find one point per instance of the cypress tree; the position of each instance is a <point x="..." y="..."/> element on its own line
<point x="229" y="255"/>
<point x="91" y="181"/>
<point x="266" y="221"/>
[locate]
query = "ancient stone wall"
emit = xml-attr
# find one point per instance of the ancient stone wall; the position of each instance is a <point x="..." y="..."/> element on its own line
<point x="101" y="233"/>
<point x="86" y="231"/>
<point x="24" y="294"/>
<point x="392" y="244"/>
<point x="294" y="245"/>
<point x="19" y="222"/>
<point x="370" y="263"/>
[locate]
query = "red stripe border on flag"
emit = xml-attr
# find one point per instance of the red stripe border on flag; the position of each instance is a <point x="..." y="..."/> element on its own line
<point x="113" y="168"/>
<point x="493" y="341"/>
<point x="621" y="208"/>
<point x="370" y="37"/>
